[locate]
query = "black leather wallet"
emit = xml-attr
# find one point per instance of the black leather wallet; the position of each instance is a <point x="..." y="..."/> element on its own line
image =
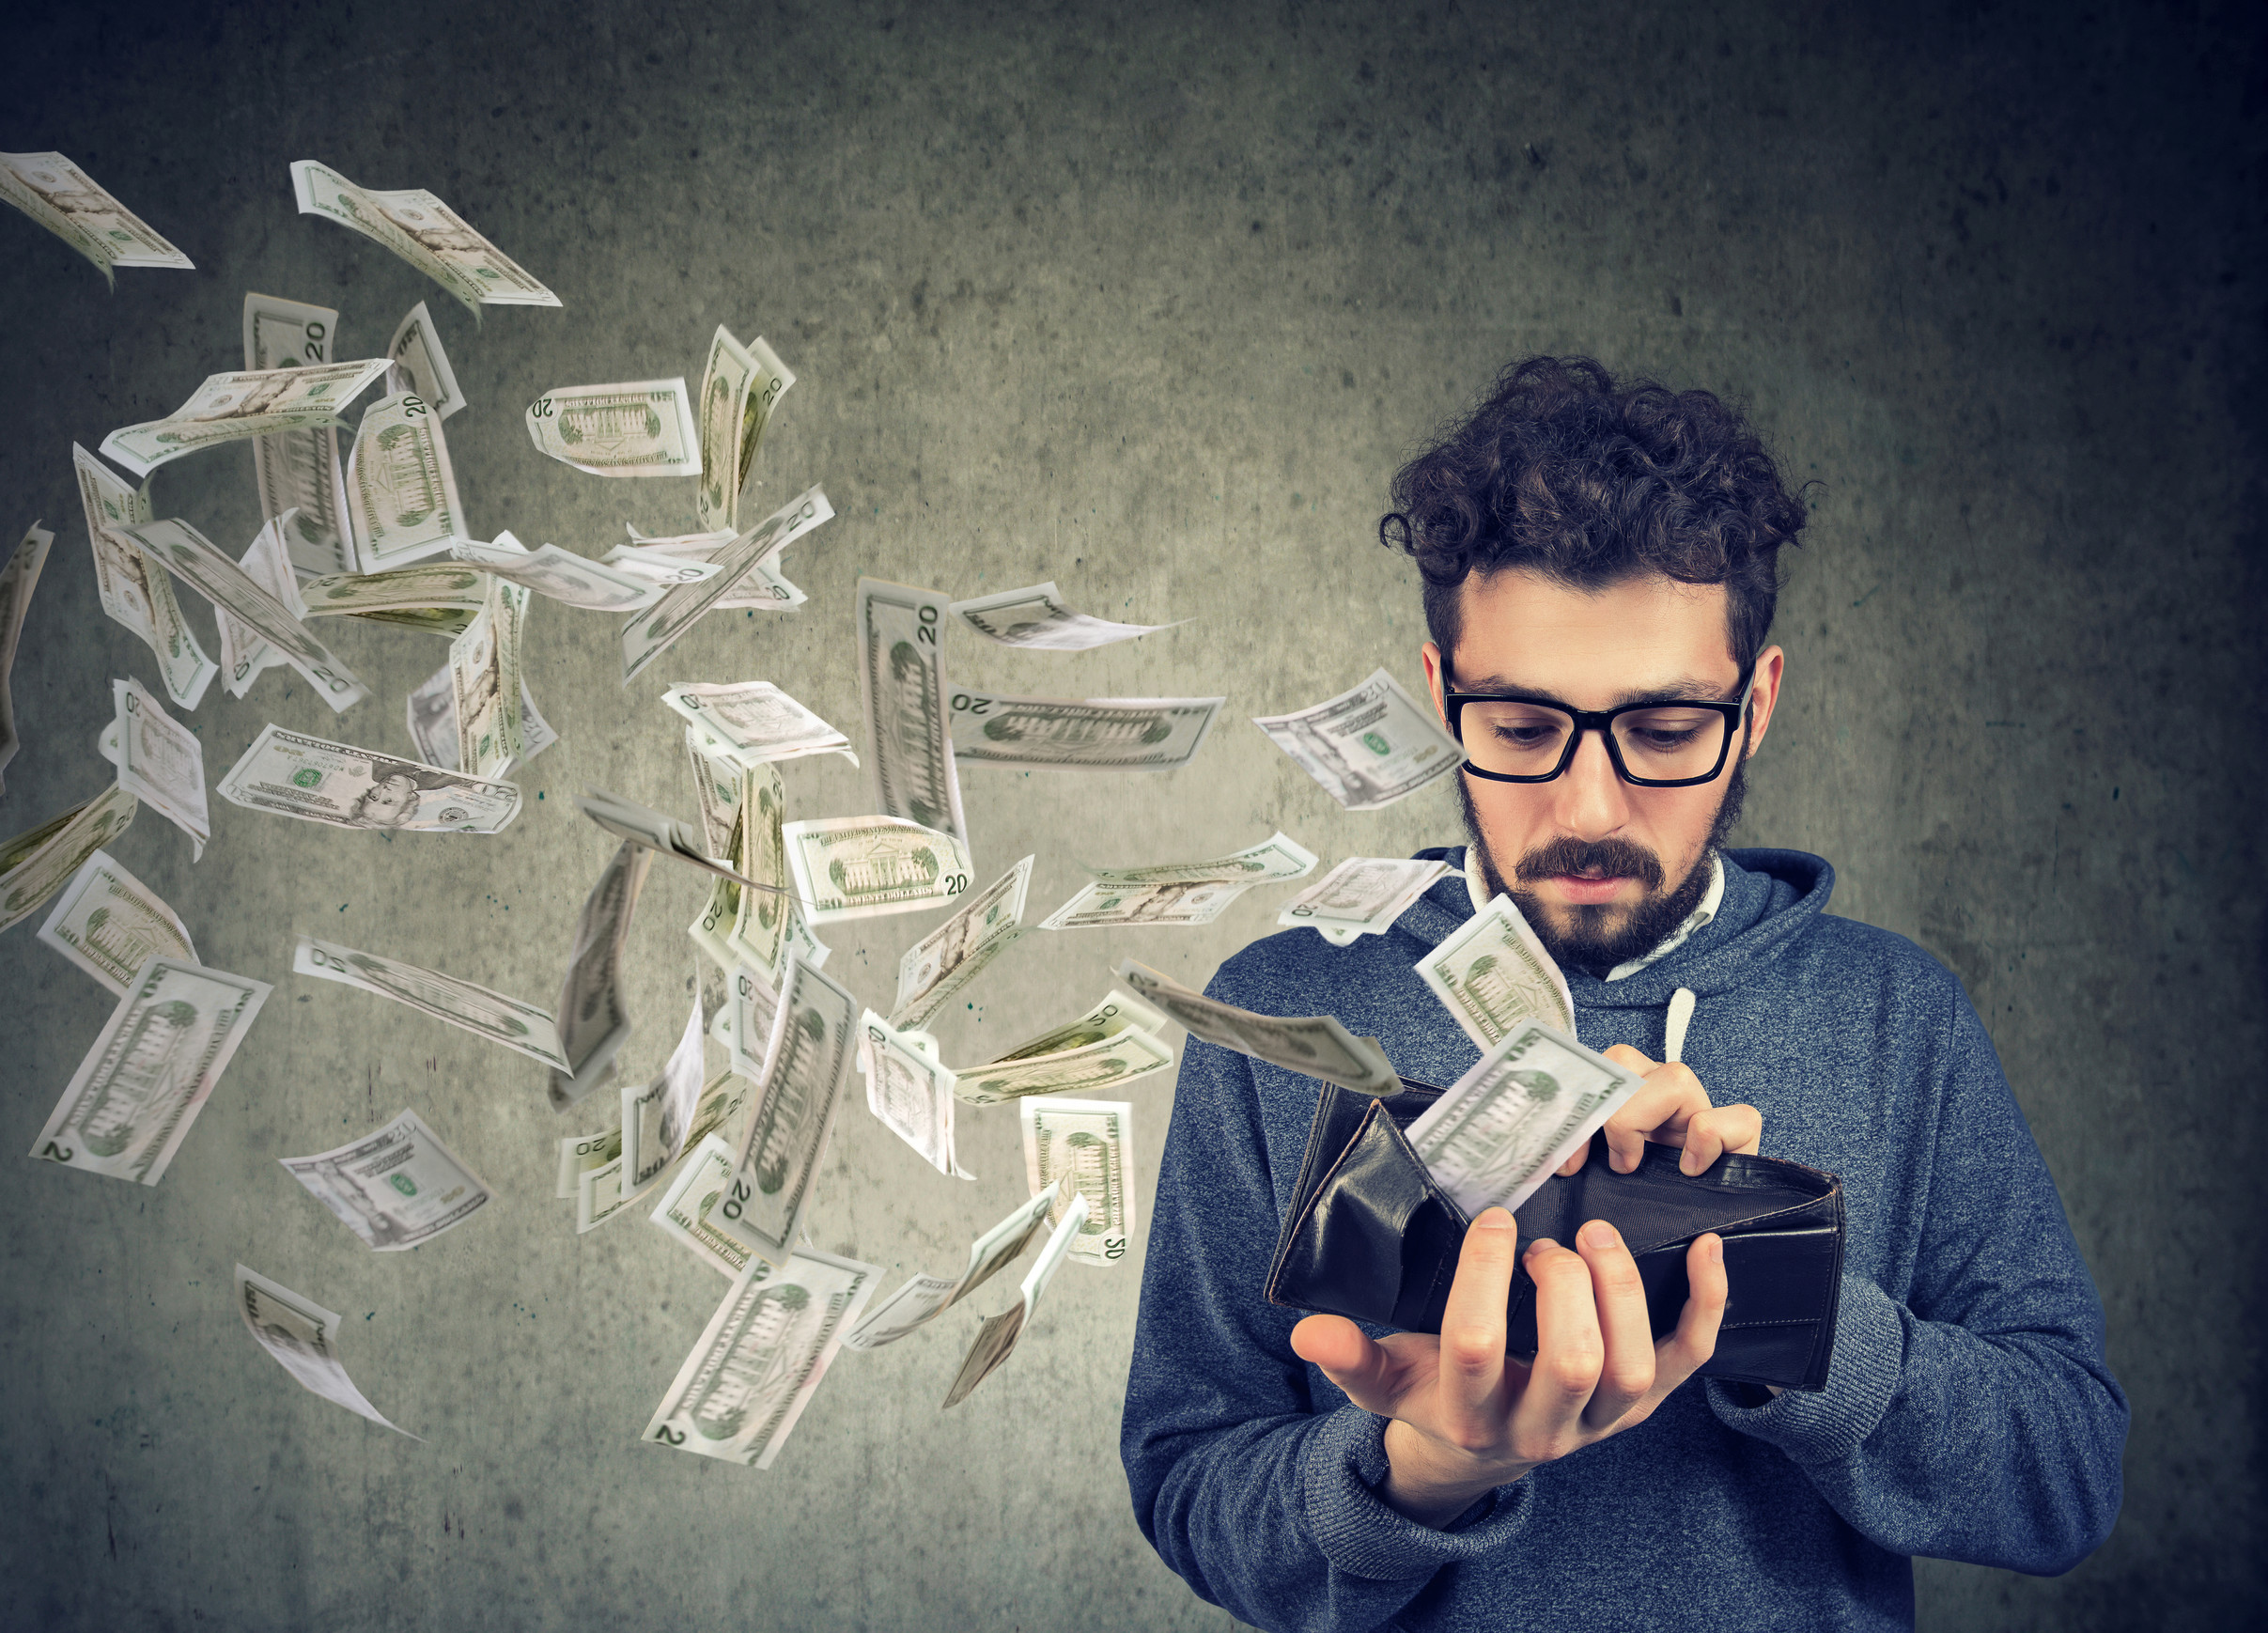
<point x="1369" y="1235"/>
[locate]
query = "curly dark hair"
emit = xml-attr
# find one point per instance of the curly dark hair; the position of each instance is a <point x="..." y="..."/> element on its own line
<point x="1561" y="472"/>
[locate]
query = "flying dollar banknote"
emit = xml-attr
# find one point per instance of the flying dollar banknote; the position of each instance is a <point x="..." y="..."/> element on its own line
<point x="1277" y="857"/>
<point x="191" y="557"/>
<point x="1119" y="1011"/>
<point x="996" y="1339"/>
<point x="422" y="365"/>
<point x="1368" y="746"/>
<point x="953" y="954"/>
<point x="919" y="1299"/>
<point x="814" y="1041"/>
<point x="424" y="232"/>
<point x="1492" y="972"/>
<point x="160" y="762"/>
<point x="229" y="407"/>
<point x="761" y="589"/>
<point x="1316" y="1044"/>
<point x="67" y="202"/>
<point x="658" y="1119"/>
<point x="135" y="591"/>
<point x="432" y="712"/>
<point x="562" y="575"/>
<point x="245" y="653"/>
<point x="110" y="924"/>
<point x="18" y="579"/>
<point x="401" y="488"/>
<point x="593" y="1019"/>
<point x="739" y="388"/>
<point x="519" y="1027"/>
<point x="902" y="686"/>
<point x="1363" y="896"/>
<point x="640" y="427"/>
<point x="485" y="682"/>
<point x="1090" y="1143"/>
<point x="286" y="774"/>
<point x="1112" y="1063"/>
<point x="650" y="633"/>
<point x="300" y="1335"/>
<point x="755" y="722"/>
<point x="396" y="1187"/>
<point x="1036" y="617"/>
<point x="909" y="1089"/>
<point x="37" y="864"/>
<point x="858" y="867"/>
<point x="435" y="585"/>
<point x="1111" y="905"/>
<point x="299" y="471"/>
<point x="761" y="1357"/>
<point x="151" y="1069"/>
<point x="1526" y="1106"/>
<point x="1096" y="734"/>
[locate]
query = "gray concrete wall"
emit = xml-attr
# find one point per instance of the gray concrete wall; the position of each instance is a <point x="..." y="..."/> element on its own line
<point x="1149" y="301"/>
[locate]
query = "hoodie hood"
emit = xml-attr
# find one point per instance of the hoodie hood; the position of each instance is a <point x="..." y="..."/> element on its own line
<point x="1771" y="898"/>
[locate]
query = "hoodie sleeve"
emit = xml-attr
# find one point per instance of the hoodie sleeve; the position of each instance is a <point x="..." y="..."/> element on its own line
<point x="1255" y="1480"/>
<point x="1976" y="1418"/>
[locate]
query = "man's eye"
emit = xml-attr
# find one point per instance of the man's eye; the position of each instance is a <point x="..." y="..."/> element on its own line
<point x="1662" y="740"/>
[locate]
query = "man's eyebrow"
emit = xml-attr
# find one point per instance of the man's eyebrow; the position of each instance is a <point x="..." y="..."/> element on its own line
<point x="1686" y="688"/>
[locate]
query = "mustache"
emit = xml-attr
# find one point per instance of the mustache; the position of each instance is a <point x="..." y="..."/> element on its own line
<point x="1616" y="858"/>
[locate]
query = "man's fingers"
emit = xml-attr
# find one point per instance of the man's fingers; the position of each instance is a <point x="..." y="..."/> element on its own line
<point x="1364" y="1369"/>
<point x="1472" y="1331"/>
<point x="1682" y="1354"/>
<point x="1569" y="1355"/>
<point x="1670" y="1098"/>
<point x="1717" y="1130"/>
<point x="1574" y="1165"/>
<point x="1627" y="1366"/>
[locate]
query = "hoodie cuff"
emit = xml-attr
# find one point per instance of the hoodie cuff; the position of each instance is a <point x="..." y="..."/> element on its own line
<point x="1345" y="1466"/>
<point x="1862" y="1376"/>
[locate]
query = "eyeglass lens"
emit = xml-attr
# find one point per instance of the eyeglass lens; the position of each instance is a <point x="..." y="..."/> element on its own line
<point x="1664" y="743"/>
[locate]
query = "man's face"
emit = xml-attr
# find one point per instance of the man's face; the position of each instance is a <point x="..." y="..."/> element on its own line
<point x="1603" y="869"/>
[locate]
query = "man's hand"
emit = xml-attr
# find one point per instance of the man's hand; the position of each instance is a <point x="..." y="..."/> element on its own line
<point x="1466" y="1417"/>
<point x="1672" y="1107"/>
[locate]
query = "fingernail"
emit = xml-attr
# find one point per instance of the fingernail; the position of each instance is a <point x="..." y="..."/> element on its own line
<point x="1689" y="1164"/>
<point x="1495" y="1219"/>
<point x="1599" y="1234"/>
<point x="1717" y="1250"/>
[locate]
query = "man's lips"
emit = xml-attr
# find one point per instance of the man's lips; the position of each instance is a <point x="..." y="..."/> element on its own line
<point x="1584" y="890"/>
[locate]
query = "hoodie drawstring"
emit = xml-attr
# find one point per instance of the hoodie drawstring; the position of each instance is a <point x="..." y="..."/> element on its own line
<point x="1673" y="1029"/>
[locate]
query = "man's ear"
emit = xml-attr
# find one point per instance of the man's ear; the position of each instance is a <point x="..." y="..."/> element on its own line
<point x="1764" y="697"/>
<point x="1431" y="655"/>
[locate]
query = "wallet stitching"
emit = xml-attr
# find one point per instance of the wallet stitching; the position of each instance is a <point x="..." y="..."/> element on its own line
<point x="1746" y="1227"/>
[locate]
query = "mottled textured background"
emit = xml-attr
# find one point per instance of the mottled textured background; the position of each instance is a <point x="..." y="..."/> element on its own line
<point x="1149" y="301"/>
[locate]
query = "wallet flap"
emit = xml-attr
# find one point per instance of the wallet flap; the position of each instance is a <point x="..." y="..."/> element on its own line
<point x="1375" y="1235"/>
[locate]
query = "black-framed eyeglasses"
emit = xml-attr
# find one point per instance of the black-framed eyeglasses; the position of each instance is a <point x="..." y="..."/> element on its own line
<point x="1509" y="738"/>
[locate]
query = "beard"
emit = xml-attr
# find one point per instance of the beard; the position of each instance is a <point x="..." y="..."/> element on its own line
<point x="1604" y="936"/>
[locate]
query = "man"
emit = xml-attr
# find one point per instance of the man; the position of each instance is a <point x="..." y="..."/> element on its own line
<point x="1600" y="574"/>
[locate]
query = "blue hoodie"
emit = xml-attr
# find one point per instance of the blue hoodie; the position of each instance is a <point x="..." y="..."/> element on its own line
<point x="1968" y="1412"/>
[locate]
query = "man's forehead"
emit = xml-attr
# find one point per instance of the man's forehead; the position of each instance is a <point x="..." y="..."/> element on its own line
<point x="1519" y="629"/>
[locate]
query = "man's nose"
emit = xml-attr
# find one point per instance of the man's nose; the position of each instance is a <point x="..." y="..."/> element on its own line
<point x="1590" y="801"/>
